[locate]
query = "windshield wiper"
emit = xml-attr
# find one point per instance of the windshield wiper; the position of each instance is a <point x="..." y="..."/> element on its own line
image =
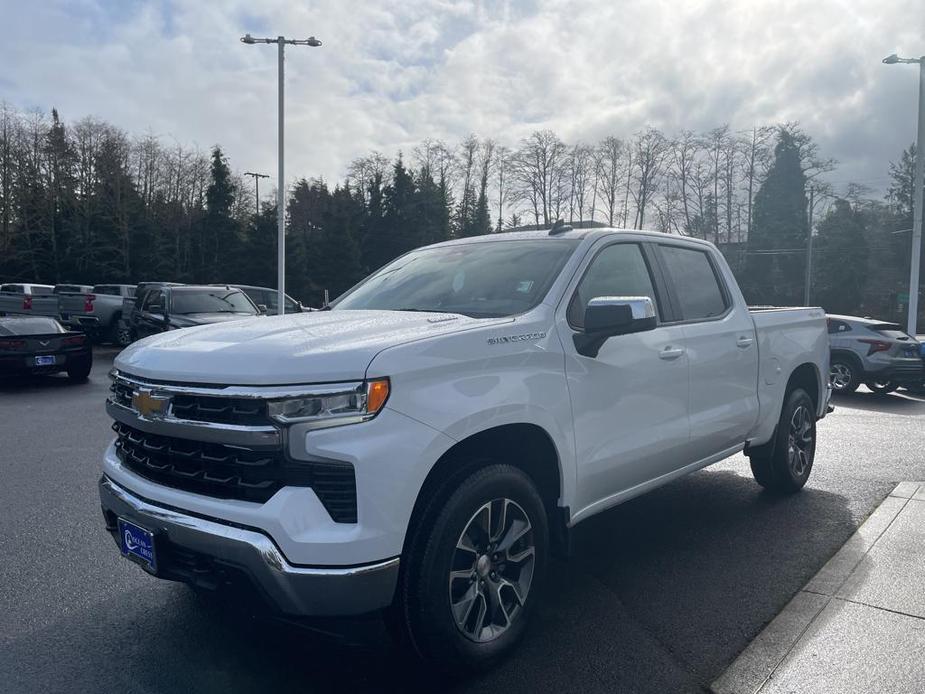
<point x="422" y="310"/>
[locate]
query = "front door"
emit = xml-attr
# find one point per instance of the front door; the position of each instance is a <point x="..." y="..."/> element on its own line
<point x="630" y="402"/>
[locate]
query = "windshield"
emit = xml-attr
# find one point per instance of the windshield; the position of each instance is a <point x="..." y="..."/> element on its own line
<point x="210" y="301"/>
<point x="482" y="280"/>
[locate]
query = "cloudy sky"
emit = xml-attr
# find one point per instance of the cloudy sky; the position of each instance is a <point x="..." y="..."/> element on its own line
<point x="392" y="73"/>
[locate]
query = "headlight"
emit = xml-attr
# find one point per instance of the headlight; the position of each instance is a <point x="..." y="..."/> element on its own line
<point x="334" y="405"/>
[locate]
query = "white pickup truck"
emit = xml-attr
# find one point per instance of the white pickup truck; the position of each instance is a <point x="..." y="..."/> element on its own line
<point x="425" y="445"/>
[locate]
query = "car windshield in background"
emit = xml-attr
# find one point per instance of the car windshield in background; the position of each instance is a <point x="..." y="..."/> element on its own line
<point x="211" y="301"/>
<point x="31" y="325"/>
<point x="482" y="280"/>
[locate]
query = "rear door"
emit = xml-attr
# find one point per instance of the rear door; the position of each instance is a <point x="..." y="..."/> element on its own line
<point x="721" y="349"/>
<point x="629" y="402"/>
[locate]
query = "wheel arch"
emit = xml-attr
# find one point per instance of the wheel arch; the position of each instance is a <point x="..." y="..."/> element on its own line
<point x="526" y="446"/>
<point x="848" y="355"/>
<point x="807" y="377"/>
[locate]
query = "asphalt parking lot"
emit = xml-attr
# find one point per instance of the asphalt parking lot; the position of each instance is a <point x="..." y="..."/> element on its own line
<point x="661" y="595"/>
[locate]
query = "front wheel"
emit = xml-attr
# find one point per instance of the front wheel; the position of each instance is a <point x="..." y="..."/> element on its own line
<point x="475" y="564"/>
<point x="783" y="464"/>
<point x="882" y="387"/>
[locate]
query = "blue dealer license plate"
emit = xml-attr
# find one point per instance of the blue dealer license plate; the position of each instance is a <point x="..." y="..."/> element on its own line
<point x="48" y="360"/>
<point x="137" y="543"/>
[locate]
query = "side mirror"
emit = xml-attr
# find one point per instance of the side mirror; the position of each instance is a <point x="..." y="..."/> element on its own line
<point x="608" y="316"/>
<point x="262" y="308"/>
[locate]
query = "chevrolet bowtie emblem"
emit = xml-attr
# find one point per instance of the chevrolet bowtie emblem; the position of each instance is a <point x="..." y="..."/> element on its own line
<point x="149" y="405"/>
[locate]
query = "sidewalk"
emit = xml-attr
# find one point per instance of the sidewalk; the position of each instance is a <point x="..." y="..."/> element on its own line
<point x="859" y="624"/>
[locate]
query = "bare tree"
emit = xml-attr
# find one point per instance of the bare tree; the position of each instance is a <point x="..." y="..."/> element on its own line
<point x="581" y="182"/>
<point x="756" y="155"/>
<point x="650" y="149"/>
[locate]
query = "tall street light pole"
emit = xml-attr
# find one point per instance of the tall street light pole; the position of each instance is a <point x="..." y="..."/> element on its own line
<point x="281" y="42"/>
<point x="256" y="177"/>
<point x="918" y="199"/>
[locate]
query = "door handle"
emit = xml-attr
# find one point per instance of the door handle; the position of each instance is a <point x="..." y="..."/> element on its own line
<point x="671" y="353"/>
<point x="744" y="341"/>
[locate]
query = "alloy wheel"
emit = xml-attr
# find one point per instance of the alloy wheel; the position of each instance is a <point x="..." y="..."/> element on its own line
<point x="802" y="435"/>
<point x="492" y="570"/>
<point x="840" y="375"/>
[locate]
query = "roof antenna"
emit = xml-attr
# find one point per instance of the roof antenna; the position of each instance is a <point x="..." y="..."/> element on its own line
<point x="560" y="227"/>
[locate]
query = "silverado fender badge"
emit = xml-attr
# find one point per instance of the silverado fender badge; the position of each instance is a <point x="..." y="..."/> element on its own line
<point x="504" y="339"/>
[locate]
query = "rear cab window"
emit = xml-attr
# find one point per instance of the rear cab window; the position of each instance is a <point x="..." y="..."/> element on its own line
<point x="699" y="293"/>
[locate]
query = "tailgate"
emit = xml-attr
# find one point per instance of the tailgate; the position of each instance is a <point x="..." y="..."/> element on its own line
<point x="71" y="304"/>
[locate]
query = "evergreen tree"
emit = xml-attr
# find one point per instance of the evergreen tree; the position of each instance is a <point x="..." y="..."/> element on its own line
<point x="309" y="207"/>
<point x="432" y="214"/>
<point x="221" y="246"/>
<point x="372" y="237"/>
<point x="61" y="196"/>
<point x="335" y="255"/>
<point x="401" y="235"/>
<point x="841" y="260"/>
<point x="774" y="273"/>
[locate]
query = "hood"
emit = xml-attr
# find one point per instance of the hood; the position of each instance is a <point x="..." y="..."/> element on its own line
<point x="318" y="347"/>
<point x="185" y="320"/>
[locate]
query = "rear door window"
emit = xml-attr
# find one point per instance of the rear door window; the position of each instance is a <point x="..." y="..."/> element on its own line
<point x="699" y="293"/>
<point x="12" y="288"/>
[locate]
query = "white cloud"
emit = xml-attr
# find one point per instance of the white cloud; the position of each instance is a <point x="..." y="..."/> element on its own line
<point x="393" y="73"/>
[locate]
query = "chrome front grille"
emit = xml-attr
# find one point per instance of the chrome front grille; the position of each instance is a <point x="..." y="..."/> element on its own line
<point x="199" y="408"/>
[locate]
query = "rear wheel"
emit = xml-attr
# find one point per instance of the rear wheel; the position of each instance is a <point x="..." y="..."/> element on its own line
<point x="474" y="566"/>
<point x="784" y="463"/>
<point x="79" y="370"/>
<point x="844" y="374"/>
<point x="882" y="387"/>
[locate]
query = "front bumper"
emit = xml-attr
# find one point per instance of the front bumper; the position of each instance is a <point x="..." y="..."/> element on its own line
<point x="206" y="552"/>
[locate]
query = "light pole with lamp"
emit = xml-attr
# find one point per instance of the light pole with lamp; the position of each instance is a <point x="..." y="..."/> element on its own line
<point x="281" y="42"/>
<point x="918" y="200"/>
<point x="256" y="177"/>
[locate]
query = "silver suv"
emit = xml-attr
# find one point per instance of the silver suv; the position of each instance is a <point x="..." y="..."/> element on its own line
<point x="878" y="354"/>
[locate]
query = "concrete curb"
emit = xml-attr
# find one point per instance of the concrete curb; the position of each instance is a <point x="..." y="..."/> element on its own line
<point x="749" y="672"/>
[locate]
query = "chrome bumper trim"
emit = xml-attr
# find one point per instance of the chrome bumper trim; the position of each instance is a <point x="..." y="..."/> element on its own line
<point x="292" y="589"/>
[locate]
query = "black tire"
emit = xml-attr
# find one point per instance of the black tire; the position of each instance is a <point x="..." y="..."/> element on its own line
<point x="882" y="388"/>
<point x="844" y="374"/>
<point x="79" y="370"/>
<point x="784" y="463"/>
<point x="119" y="334"/>
<point x="422" y="614"/>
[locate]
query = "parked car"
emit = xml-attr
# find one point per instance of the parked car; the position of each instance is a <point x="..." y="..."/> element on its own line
<point x="40" y="345"/>
<point x="426" y="443"/>
<point x="267" y="300"/>
<point x="170" y="307"/>
<point x="97" y="311"/>
<point x="873" y="352"/>
<point x="29" y="299"/>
